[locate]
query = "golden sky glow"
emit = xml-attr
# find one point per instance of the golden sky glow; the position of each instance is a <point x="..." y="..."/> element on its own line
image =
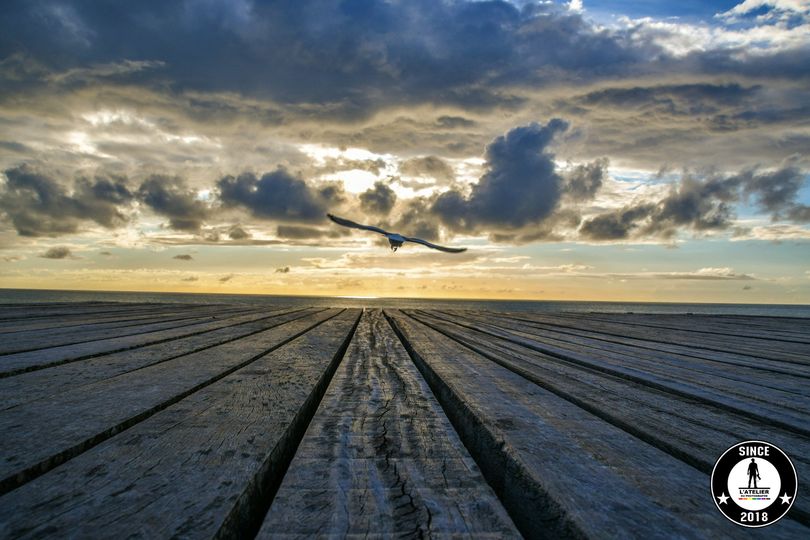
<point x="580" y="152"/>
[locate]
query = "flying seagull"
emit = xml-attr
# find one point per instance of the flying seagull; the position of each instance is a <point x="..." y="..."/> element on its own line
<point x="396" y="240"/>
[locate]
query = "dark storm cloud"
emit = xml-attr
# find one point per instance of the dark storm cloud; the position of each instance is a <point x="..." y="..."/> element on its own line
<point x="169" y="196"/>
<point x="616" y="225"/>
<point x="717" y="107"/>
<point x="786" y="64"/>
<point x="17" y="148"/>
<point x="702" y="205"/>
<point x="520" y="185"/>
<point x="295" y="232"/>
<point x="693" y="204"/>
<point x="238" y="233"/>
<point x="418" y="220"/>
<point x="685" y="99"/>
<point x="283" y="270"/>
<point x="432" y="166"/>
<point x="454" y="122"/>
<point x="277" y="195"/>
<point x="38" y="205"/>
<point x="584" y="181"/>
<point x="57" y="253"/>
<point x="776" y="191"/>
<point x="349" y="58"/>
<point x="800" y="213"/>
<point x="379" y="199"/>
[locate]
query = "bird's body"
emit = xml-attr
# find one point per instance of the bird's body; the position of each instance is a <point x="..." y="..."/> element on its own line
<point x="394" y="239"/>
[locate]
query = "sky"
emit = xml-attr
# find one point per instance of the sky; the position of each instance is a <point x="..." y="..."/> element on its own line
<point x="582" y="150"/>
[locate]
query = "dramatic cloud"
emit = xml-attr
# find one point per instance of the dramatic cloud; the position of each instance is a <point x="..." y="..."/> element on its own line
<point x="417" y="220"/>
<point x="616" y="225"/>
<point x="775" y="192"/>
<point x="520" y="185"/>
<point x="350" y="58"/>
<point x="681" y="100"/>
<point x="283" y="270"/>
<point x="38" y="205"/>
<point x="238" y="233"/>
<point x="415" y="116"/>
<point x="57" y="253"/>
<point x="378" y="200"/>
<point x="169" y="196"/>
<point x="701" y="205"/>
<point x="295" y="232"/>
<point x="431" y="166"/>
<point x="277" y="195"/>
<point x="184" y="257"/>
<point x="583" y="181"/>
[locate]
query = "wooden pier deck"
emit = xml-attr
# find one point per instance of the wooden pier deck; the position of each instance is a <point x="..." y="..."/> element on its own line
<point x="201" y="421"/>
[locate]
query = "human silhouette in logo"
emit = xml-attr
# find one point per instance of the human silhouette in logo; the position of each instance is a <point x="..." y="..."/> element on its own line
<point x="753" y="473"/>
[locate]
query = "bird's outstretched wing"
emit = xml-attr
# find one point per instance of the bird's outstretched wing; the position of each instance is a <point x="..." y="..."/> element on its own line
<point x="434" y="246"/>
<point x="352" y="224"/>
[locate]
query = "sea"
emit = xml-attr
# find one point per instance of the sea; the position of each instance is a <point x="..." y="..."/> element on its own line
<point x="31" y="296"/>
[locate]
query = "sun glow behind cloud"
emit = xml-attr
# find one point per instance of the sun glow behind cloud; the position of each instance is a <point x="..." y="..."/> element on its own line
<point x="684" y="149"/>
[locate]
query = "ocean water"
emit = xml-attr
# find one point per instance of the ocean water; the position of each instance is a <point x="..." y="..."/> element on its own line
<point x="27" y="296"/>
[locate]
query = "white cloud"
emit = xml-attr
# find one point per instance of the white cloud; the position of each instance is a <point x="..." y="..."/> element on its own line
<point x="774" y="9"/>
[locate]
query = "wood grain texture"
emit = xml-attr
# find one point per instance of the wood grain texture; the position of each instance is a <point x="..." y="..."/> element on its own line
<point x="743" y="398"/>
<point x="34" y="385"/>
<point x="117" y="421"/>
<point x="50" y="338"/>
<point x="703" y="332"/>
<point x="560" y="470"/>
<point x="659" y="341"/>
<point x="380" y="457"/>
<point x="42" y="434"/>
<point x="693" y="432"/>
<point x="742" y="375"/>
<point x="194" y="469"/>
<point x="14" y="364"/>
<point x="30" y="312"/>
<point x="104" y="319"/>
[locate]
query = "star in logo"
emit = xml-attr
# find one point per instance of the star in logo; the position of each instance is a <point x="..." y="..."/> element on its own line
<point x="785" y="498"/>
<point x="723" y="498"/>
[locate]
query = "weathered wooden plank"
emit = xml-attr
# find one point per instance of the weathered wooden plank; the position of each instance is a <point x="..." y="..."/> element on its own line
<point x="42" y="311"/>
<point x="109" y="321"/>
<point x="40" y="435"/>
<point x="696" y="433"/>
<point x="560" y="470"/>
<point x="198" y="469"/>
<point x="59" y="337"/>
<point x="780" y="375"/>
<point x="34" y="385"/>
<point x="721" y="393"/>
<point x="66" y="321"/>
<point x="779" y="332"/>
<point x="772" y="328"/>
<point x="771" y="344"/>
<point x="14" y="364"/>
<point x="658" y="341"/>
<point x="380" y="457"/>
